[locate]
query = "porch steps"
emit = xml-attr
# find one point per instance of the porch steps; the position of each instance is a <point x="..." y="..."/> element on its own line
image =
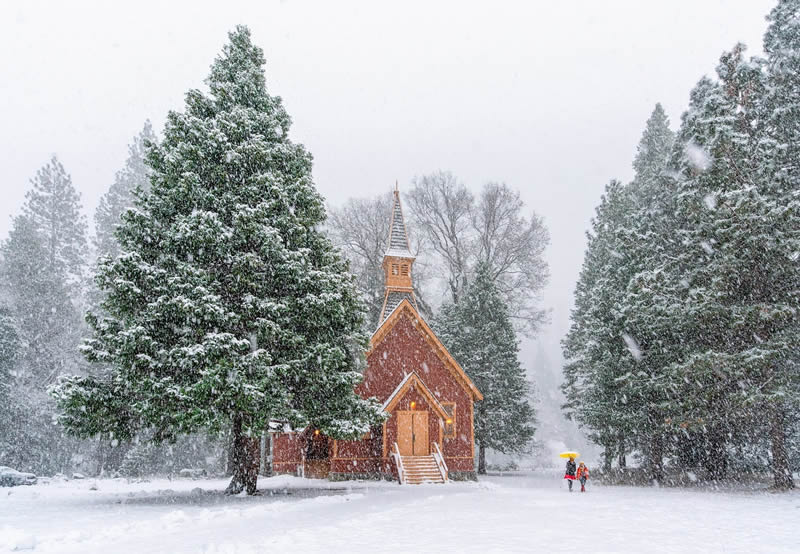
<point x="421" y="469"/>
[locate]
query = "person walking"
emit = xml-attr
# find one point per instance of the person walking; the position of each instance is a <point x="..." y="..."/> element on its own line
<point x="570" y="474"/>
<point x="583" y="475"/>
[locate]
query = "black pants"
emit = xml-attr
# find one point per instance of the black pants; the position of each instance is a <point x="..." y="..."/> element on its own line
<point x="569" y="481"/>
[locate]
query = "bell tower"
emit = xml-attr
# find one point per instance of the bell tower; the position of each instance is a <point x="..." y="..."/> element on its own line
<point x="397" y="262"/>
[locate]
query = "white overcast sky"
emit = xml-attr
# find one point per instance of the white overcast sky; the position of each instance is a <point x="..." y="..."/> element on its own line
<point x="549" y="96"/>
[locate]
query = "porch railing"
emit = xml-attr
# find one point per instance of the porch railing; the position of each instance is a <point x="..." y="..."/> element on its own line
<point x="439" y="457"/>
<point x="398" y="461"/>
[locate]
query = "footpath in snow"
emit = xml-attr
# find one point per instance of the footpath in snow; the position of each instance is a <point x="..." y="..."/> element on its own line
<point x="512" y="513"/>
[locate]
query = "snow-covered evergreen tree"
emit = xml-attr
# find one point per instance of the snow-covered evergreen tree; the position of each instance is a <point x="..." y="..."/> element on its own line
<point x="612" y="388"/>
<point x="38" y="294"/>
<point x="779" y="153"/>
<point x="53" y="206"/>
<point x="9" y="351"/>
<point x="724" y="294"/>
<point x="227" y="306"/>
<point x="697" y="287"/>
<point x="646" y="231"/>
<point x="120" y="195"/>
<point x="478" y="332"/>
<point x="595" y="350"/>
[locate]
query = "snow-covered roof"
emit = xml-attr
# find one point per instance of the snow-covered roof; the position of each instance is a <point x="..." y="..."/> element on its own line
<point x="392" y="301"/>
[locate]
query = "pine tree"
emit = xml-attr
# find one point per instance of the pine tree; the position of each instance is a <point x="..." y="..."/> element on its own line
<point x="598" y="362"/>
<point x="719" y="133"/>
<point x="779" y="153"/>
<point x="43" y="264"/>
<point x="53" y="206"/>
<point x="728" y="290"/>
<point x="227" y="306"/>
<point x="130" y="180"/>
<point x="9" y="352"/>
<point x="612" y="388"/>
<point x="39" y="299"/>
<point x="478" y="333"/>
<point x="646" y="226"/>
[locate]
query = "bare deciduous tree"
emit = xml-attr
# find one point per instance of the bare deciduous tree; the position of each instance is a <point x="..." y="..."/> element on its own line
<point x="513" y="248"/>
<point x="464" y="231"/>
<point x="441" y="208"/>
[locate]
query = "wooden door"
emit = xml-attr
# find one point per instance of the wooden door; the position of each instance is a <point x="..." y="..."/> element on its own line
<point x="412" y="433"/>
<point x="421" y="444"/>
<point x="405" y="433"/>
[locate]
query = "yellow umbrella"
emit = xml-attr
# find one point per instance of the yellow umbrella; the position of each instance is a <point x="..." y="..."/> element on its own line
<point x="569" y="454"/>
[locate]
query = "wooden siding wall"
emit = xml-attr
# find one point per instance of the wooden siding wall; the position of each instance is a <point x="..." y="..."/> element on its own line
<point x="287" y="452"/>
<point x="403" y="350"/>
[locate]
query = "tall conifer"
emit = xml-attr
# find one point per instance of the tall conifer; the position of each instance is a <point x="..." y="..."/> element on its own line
<point x="227" y="306"/>
<point x="478" y="332"/>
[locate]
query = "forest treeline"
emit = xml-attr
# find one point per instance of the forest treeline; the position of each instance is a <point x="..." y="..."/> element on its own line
<point x="214" y="296"/>
<point x="684" y="345"/>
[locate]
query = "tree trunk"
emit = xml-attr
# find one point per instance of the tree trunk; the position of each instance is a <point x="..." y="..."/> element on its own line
<point x="621" y="445"/>
<point x="262" y="449"/>
<point x="245" y="459"/>
<point x="781" y="472"/>
<point x="229" y="448"/>
<point x="715" y="455"/>
<point x="608" y="458"/>
<point x="656" y="461"/>
<point x="481" y="460"/>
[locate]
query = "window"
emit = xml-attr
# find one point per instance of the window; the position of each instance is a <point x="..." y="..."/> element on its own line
<point x="404" y="270"/>
<point x="395" y="269"/>
<point x="450" y="422"/>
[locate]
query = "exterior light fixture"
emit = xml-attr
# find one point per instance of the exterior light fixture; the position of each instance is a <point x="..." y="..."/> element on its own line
<point x="316" y="431"/>
<point x="449" y="421"/>
<point x="413" y="405"/>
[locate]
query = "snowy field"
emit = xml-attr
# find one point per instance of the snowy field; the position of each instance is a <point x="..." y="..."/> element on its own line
<point x="512" y="513"/>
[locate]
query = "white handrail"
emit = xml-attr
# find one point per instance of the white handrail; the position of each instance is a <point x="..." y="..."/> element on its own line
<point x="398" y="460"/>
<point x="301" y="471"/>
<point x="440" y="461"/>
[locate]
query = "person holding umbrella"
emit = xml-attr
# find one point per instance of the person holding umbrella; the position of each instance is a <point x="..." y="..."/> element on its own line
<point x="571" y="468"/>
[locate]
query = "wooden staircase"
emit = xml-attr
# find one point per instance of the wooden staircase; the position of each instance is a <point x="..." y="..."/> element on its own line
<point x="421" y="469"/>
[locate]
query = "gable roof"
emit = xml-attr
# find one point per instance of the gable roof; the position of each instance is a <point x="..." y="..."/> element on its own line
<point x="406" y="308"/>
<point x="412" y="379"/>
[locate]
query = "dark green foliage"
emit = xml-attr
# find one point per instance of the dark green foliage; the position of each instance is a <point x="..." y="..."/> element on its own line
<point x="478" y="333"/>
<point x="129" y="181"/>
<point x="709" y="290"/>
<point x="227" y="305"/>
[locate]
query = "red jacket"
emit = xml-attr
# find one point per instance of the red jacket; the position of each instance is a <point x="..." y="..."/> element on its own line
<point x="583" y="471"/>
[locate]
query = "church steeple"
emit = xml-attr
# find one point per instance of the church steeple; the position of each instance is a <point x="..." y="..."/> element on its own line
<point x="397" y="262"/>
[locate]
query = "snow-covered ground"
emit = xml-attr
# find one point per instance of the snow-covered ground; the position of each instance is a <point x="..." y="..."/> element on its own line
<point x="512" y="513"/>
